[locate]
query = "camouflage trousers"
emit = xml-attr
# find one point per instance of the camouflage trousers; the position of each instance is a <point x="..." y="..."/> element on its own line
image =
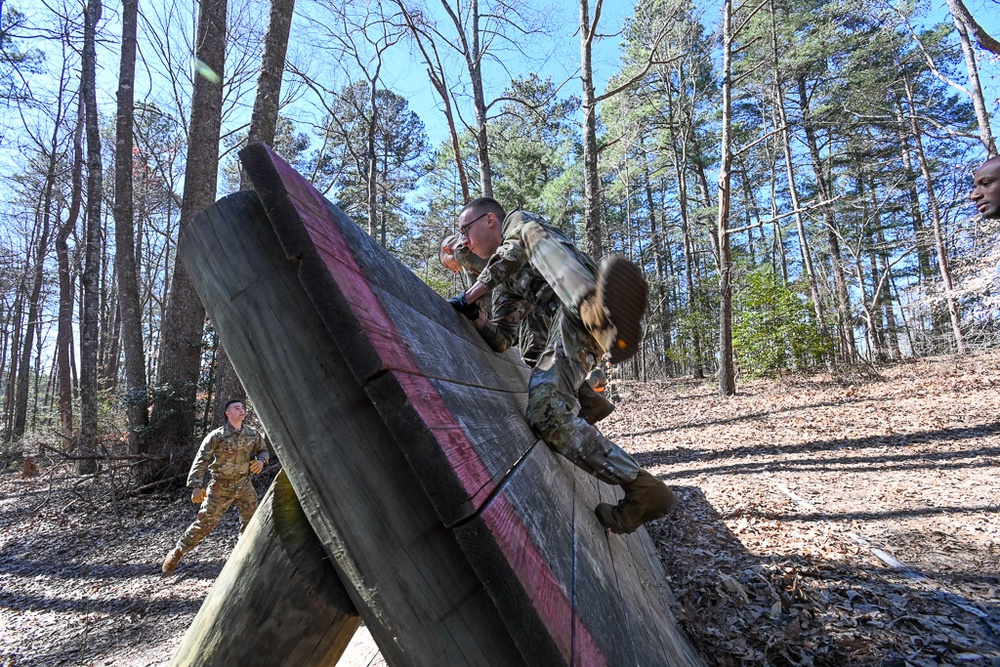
<point x="218" y="499"/>
<point x="569" y="356"/>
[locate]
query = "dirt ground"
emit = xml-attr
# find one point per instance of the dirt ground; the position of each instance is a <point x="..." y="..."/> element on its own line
<point x="823" y="521"/>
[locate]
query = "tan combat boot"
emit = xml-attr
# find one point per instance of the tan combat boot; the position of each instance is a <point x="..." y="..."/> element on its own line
<point x="613" y="313"/>
<point x="170" y="562"/>
<point x="646" y="498"/>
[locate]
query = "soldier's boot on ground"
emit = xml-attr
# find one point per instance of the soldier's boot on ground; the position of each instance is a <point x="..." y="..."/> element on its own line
<point x="646" y="498"/>
<point x="593" y="406"/>
<point x="170" y="562"/>
<point x="613" y="313"/>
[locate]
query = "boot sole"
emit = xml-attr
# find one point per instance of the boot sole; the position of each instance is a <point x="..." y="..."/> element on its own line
<point x="623" y="292"/>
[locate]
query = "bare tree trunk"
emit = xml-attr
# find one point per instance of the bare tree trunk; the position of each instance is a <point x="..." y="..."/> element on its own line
<point x="263" y="125"/>
<point x="962" y="26"/>
<point x="591" y="175"/>
<point x="793" y="191"/>
<point x="129" y="305"/>
<point x="181" y="343"/>
<point x="942" y="254"/>
<point x="845" y="331"/>
<point x="727" y="372"/>
<point x="64" y="335"/>
<point x="435" y="72"/>
<point x="471" y="50"/>
<point x="90" y="280"/>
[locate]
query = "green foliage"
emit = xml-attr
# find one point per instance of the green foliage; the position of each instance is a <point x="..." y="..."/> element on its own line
<point x="16" y="63"/>
<point x="773" y="327"/>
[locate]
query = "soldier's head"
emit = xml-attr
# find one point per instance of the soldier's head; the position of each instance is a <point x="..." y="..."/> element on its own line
<point x="480" y="225"/>
<point x="986" y="188"/>
<point x="235" y="412"/>
<point x="446" y="254"/>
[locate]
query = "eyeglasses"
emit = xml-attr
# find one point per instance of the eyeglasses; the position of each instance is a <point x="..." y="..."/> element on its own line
<point x="464" y="229"/>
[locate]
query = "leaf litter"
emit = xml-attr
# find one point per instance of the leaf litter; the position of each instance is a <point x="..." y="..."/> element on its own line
<point x="824" y="520"/>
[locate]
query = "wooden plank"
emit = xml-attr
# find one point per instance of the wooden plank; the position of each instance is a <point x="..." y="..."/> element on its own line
<point x="408" y="577"/>
<point x="553" y="574"/>
<point x="279" y="588"/>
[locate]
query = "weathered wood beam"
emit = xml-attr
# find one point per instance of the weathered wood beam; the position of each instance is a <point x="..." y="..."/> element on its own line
<point x="278" y="593"/>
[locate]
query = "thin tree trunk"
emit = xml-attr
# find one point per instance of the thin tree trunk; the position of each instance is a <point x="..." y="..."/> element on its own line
<point x="90" y="280"/>
<point x="64" y="332"/>
<point x="174" y="410"/>
<point x="591" y="174"/>
<point x="727" y="372"/>
<point x="848" y="350"/>
<point x="129" y="305"/>
<point x="971" y="64"/>
<point x="939" y="244"/>
<point x="263" y="125"/>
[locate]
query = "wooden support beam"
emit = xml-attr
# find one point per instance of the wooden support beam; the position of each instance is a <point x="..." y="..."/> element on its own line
<point x="460" y="537"/>
<point x="278" y="592"/>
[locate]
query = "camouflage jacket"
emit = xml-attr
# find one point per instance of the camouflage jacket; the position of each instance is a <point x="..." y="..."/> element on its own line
<point x="226" y="453"/>
<point x="524" y="301"/>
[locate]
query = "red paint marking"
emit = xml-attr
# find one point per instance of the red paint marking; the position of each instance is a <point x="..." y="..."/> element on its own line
<point x="547" y="596"/>
<point x="533" y="571"/>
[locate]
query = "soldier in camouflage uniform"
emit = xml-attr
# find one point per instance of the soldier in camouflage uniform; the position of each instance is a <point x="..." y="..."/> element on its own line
<point x="522" y="323"/>
<point x="587" y="313"/>
<point x="229" y="455"/>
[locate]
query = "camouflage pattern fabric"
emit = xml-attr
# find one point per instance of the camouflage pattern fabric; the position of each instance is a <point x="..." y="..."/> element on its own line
<point x="218" y="499"/>
<point x="225" y="455"/>
<point x="539" y="278"/>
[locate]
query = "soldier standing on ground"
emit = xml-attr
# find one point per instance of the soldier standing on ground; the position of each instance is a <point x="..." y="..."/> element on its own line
<point x="229" y="455"/>
<point x="597" y="313"/>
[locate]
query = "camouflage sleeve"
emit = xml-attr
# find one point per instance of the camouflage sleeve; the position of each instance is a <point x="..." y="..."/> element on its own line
<point x="204" y="457"/>
<point x="509" y="257"/>
<point x="260" y="451"/>
<point x="469" y="261"/>
<point x="501" y="330"/>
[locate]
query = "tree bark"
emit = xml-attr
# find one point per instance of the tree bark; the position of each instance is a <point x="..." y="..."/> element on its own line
<point x="848" y="349"/>
<point x="129" y="305"/>
<point x="263" y="125"/>
<point x="939" y="242"/>
<point x="90" y="281"/>
<point x="591" y="175"/>
<point x="180" y="347"/>
<point x="64" y="331"/>
<point x="962" y="26"/>
<point x="727" y="372"/>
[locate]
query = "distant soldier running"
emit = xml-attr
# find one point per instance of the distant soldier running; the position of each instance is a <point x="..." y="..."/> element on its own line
<point x="229" y="454"/>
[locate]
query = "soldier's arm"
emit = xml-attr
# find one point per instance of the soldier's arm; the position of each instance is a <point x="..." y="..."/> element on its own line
<point x="260" y="450"/>
<point x="500" y="331"/>
<point x="199" y="467"/>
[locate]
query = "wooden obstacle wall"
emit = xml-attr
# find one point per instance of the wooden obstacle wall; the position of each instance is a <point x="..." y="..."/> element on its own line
<point x="460" y="538"/>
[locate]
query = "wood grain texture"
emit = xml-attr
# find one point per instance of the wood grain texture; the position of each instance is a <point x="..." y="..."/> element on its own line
<point x="408" y="577"/>
<point x="460" y="537"/>
<point x="277" y="588"/>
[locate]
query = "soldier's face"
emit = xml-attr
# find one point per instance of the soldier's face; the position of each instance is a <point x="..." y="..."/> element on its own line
<point x="986" y="189"/>
<point x="480" y="232"/>
<point x="236" y="412"/>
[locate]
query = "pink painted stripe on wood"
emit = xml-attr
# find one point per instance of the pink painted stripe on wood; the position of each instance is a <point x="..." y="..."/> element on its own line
<point x="533" y="571"/>
<point x="564" y="625"/>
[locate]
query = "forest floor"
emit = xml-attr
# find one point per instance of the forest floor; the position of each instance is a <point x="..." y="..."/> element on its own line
<point x="823" y="521"/>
